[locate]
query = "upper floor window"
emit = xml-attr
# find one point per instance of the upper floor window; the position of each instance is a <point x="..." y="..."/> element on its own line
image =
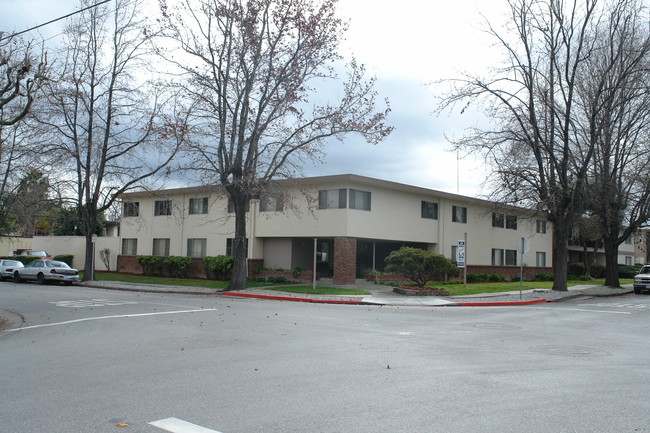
<point x="541" y="226"/>
<point x="131" y="209"/>
<point x="359" y="199"/>
<point x="198" y="206"/>
<point x="459" y="214"/>
<point x="162" y="207"/>
<point x="628" y="240"/>
<point x="271" y="203"/>
<point x="429" y="210"/>
<point x="332" y="199"/>
<point x="511" y="222"/>
<point x="498" y="219"/>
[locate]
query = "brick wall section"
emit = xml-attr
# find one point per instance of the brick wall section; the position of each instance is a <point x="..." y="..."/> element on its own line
<point x="345" y="260"/>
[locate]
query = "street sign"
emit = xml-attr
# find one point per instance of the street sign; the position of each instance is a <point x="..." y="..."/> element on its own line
<point x="93" y="238"/>
<point x="460" y="254"/>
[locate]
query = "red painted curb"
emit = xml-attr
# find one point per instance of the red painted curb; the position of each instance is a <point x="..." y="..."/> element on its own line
<point x="290" y="298"/>
<point x="500" y="304"/>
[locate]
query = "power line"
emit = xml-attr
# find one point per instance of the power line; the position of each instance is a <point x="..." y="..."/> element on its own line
<point x="55" y="20"/>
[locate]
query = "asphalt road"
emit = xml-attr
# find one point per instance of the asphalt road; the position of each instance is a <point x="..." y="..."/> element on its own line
<point x="90" y="360"/>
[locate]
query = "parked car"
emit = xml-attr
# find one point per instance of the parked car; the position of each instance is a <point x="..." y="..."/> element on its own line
<point x="7" y="268"/>
<point x="38" y="253"/>
<point x="642" y="280"/>
<point x="43" y="271"/>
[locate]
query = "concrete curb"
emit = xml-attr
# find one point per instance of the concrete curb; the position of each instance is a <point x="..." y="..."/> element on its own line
<point x="291" y="298"/>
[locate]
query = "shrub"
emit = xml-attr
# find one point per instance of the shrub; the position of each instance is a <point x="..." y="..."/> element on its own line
<point x="597" y="271"/>
<point x="151" y="265"/>
<point x="496" y="278"/>
<point x="279" y="280"/>
<point x="575" y="269"/>
<point x="178" y="266"/>
<point x="297" y="271"/>
<point x="476" y="278"/>
<point x="544" y="277"/>
<point x="625" y="271"/>
<point x="218" y="266"/>
<point x="66" y="258"/>
<point x="419" y="265"/>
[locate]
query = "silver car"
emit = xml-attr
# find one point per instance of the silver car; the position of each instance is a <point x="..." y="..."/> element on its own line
<point x="7" y="268"/>
<point x="43" y="271"/>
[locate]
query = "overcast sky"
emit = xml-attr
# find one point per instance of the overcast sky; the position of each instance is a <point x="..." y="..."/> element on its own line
<point x="405" y="44"/>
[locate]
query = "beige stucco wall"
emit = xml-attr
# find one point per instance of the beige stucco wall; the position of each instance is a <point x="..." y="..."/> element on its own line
<point x="76" y="245"/>
<point x="9" y="244"/>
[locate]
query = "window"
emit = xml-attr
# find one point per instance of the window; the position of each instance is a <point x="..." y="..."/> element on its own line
<point x="129" y="247"/>
<point x="230" y="250"/>
<point x="454" y="253"/>
<point x="628" y="260"/>
<point x="430" y="210"/>
<point x="628" y="240"/>
<point x="511" y="257"/>
<point x="162" y="207"/>
<point x="511" y="222"/>
<point x="541" y="226"/>
<point x="131" y="209"/>
<point x="497" y="257"/>
<point x="160" y="247"/>
<point x="332" y="199"/>
<point x="459" y="214"/>
<point x="198" y="206"/>
<point x="359" y="199"/>
<point x="271" y="203"/>
<point x="196" y="247"/>
<point x="497" y="219"/>
<point x="540" y="259"/>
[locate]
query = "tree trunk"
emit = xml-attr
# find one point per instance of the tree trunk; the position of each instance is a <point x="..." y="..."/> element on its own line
<point x="561" y="255"/>
<point x="611" y="262"/>
<point x="88" y="220"/>
<point x="239" y="247"/>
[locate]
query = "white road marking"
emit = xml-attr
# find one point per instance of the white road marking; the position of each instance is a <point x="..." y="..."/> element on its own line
<point x="82" y="303"/>
<point x="120" y="316"/>
<point x="176" y="425"/>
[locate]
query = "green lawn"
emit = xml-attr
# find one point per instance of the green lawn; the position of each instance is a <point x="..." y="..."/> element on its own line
<point x="475" y="288"/>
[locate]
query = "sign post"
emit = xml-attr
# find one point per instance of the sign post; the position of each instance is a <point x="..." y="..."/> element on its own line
<point x="461" y="258"/>
<point x="522" y="247"/>
<point x="93" y="239"/>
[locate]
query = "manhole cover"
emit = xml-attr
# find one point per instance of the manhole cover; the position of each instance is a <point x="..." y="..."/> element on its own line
<point x="571" y="351"/>
<point x="490" y="325"/>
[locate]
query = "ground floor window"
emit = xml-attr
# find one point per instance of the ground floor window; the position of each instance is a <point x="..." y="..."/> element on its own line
<point x="628" y="260"/>
<point x="196" y="247"/>
<point x="129" y="247"/>
<point x="160" y="247"/>
<point x="511" y="257"/>
<point x="540" y="259"/>
<point x="497" y="257"/>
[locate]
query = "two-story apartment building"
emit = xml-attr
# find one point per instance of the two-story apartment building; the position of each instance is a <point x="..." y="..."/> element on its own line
<point x="353" y="222"/>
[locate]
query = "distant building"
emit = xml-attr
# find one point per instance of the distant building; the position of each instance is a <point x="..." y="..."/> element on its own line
<point x="354" y="221"/>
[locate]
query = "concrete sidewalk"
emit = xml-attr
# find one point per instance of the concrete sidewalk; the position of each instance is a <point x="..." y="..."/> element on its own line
<point x="381" y="294"/>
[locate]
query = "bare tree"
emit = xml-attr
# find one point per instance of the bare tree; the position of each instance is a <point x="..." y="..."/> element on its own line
<point x="253" y="68"/>
<point x="22" y="74"/>
<point x="531" y="100"/>
<point x="616" y="97"/>
<point x="105" y="117"/>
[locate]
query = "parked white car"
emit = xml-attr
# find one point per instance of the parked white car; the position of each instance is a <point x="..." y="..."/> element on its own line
<point x="43" y="271"/>
<point x="7" y="268"/>
<point x="642" y="280"/>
